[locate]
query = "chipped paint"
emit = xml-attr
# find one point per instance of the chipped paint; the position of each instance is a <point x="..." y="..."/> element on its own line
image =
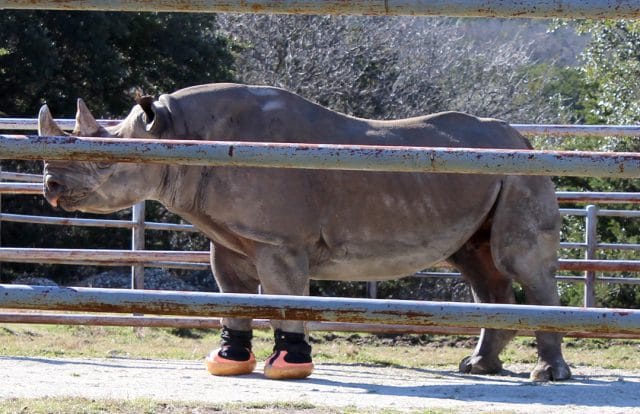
<point x="574" y="9"/>
<point x="394" y="312"/>
<point x="324" y="156"/>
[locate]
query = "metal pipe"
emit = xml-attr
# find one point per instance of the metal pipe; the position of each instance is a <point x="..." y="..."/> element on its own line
<point x="14" y="176"/>
<point x="104" y="257"/>
<point x="262" y="324"/>
<point x="572" y="9"/>
<point x="579" y="130"/>
<point x="600" y="197"/>
<point x="591" y="238"/>
<point x="310" y="156"/>
<point x="137" y="243"/>
<point x="128" y="257"/>
<point x="551" y="318"/>
<point x="20" y="188"/>
<point x="67" y="124"/>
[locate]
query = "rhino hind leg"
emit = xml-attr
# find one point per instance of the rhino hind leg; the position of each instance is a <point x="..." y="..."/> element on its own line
<point x="524" y="244"/>
<point x="488" y="285"/>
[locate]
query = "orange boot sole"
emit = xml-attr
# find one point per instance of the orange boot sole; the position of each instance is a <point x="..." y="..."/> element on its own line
<point x="279" y="369"/>
<point x="216" y="365"/>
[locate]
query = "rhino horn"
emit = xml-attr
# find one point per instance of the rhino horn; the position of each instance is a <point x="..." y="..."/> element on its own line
<point x="156" y="118"/>
<point x="86" y="124"/>
<point x="46" y="125"/>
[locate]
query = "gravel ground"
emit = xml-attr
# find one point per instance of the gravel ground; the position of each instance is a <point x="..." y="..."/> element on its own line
<point x="333" y="385"/>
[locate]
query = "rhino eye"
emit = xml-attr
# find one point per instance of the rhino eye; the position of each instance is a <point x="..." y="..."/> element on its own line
<point x="103" y="165"/>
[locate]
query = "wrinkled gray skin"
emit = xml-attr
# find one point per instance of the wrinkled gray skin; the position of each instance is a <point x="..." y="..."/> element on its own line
<point x="281" y="227"/>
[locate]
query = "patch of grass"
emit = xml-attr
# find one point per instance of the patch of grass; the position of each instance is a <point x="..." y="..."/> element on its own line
<point x="139" y="406"/>
<point x="412" y="351"/>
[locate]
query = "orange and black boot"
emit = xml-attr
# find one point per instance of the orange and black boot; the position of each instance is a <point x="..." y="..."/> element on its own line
<point x="234" y="356"/>
<point x="291" y="358"/>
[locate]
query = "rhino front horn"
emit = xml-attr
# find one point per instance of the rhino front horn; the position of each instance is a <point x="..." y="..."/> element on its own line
<point x="46" y="125"/>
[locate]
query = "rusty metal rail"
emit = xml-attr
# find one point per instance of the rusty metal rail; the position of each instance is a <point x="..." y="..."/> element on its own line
<point x="271" y="307"/>
<point x="574" y="9"/>
<point x="67" y="124"/>
<point x="325" y="156"/>
<point x="214" y="323"/>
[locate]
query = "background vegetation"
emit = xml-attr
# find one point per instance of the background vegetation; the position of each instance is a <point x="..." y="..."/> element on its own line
<point x="521" y="71"/>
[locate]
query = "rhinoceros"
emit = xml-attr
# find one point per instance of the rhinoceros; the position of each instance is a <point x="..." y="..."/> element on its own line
<point x="279" y="228"/>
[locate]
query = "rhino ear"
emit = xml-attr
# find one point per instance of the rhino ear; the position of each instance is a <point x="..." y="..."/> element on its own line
<point x="86" y="124"/>
<point x="156" y="117"/>
<point x="46" y="125"/>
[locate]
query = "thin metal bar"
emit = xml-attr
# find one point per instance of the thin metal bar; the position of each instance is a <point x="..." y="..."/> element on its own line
<point x="618" y="246"/>
<point x="620" y="213"/>
<point x="591" y="238"/>
<point x="20" y="188"/>
<point x="21" y="218"/>
<point x="262" y="324"/>
<point x="67" y="124"/>
<point x="137" y="243"/>
<point x="573" y="9"/>
<point x="105" y="257"/>
<point x="477" y="315"/>
<point x="13" y="176"/>
<point x="340" y="157"/>
<point x="600" y="197"/>
<point x="579" y="130"/>
<point x="120" y="224"/>
<point x="573" y="212"/>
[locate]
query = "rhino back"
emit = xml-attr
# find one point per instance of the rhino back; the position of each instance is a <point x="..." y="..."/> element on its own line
<point x="266" y="114"/>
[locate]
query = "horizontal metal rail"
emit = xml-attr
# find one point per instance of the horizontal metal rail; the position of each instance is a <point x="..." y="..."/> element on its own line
<point x="100" y="256"/>
<point x="67" y="124"/>
<point x="122" y="224"/>
<point x="263" y="324"/>
<point x="127" y="257"/>
<point x="339" y="157"/>
<point x="572" y="9"/>
<point x="22" y="177"/>
<point x="20" y="188"/>
<point x="271" y="307"/>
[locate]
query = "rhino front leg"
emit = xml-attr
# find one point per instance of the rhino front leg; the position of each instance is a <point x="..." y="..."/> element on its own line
<point x="285" y="271"/>
<point x="234" y="274"/>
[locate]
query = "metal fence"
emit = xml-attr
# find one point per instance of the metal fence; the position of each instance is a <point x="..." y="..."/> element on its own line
<point x="138" y="258"/>
<point x="437" y="160"/>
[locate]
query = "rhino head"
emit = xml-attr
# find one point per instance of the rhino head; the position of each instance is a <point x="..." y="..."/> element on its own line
<point x="102" y="187"/>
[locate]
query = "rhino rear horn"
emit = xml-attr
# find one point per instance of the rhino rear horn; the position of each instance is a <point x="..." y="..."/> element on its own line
<point x="86" y="124"/>
<point x="155" y="116"/>
<point x="46" y="125"/>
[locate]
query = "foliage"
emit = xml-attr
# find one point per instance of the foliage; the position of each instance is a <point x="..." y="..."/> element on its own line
<point x="391" y="67"/>
<point x="55" y="57"/>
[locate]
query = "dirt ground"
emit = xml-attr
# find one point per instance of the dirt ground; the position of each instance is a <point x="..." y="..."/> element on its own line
<point x="337" y="386"/>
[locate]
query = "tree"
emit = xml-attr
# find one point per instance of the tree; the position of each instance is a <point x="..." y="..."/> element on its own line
<point x="391" y="67"/>
<point x="102" y="57"/>
<point x="56" y="57"/>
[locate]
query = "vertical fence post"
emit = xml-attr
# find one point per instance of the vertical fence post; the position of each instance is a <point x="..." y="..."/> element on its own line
<point x="137" y="243"/>
<point x="372" y="290"/>
<point x="591" y="238"/>
<point x="0" y="221"/>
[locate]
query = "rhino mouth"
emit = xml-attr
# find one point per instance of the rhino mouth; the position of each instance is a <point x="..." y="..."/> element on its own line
<point x="60" y="195"/>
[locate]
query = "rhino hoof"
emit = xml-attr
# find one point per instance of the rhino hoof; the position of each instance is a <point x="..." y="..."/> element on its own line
<point x="280" y="367"/>
<point x="480" y="365"/>
<point x="546" y="371"/>
<point x="218" y="365"/>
